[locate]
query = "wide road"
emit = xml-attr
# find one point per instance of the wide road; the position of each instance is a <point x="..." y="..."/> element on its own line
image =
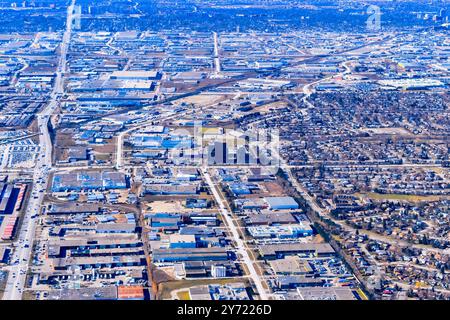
<point x="23" y="245"/>
<point x="240" y="247"/>
<point x="216" y="53"/>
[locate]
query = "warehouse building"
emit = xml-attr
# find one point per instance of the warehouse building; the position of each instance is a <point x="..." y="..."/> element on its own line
<point x="291" y="282"/>
<point x="8" y="198"/>
<point x="135" y="75"/>
<point x="104" y="180"/>
<point x="190" y="254"/>
<point x="277" y="251"/>
<point x="88" y="245"/>
<point x="4" y="254"/>
<point x="327" y="293"/>
<point x="182" y="241"/>
<point x="282" y="203"/>
<point x="101" y="293"/>
<point x="291" y="265"/>
<point x="280" y="231"/>
<point x="98" y="262"/>
<point x="130" y="292"/>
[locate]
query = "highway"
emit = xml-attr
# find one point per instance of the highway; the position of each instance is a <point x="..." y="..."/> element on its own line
<point x="216" y="53"/>
<point x="23" y="245"/>
<point x="240" y="246"/>
<point x="119" y="152"/>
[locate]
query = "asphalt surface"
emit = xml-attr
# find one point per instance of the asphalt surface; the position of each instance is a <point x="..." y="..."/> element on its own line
<point x="23" y="246"/>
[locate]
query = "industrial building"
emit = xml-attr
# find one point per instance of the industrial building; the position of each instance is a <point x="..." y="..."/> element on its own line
<point x="104" y="180"/>
<point x="277" y="251"/>
<point x="282" y="203"/>
<point x="281" y="231"/>
<point x="190" y="254"/>
<point x="8" y="198"/>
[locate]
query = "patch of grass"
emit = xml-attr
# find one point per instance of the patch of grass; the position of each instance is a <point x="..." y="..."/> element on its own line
<point x="398" y="197"/>
<point x="29" y="295"/>
<point x="183" y="295"/>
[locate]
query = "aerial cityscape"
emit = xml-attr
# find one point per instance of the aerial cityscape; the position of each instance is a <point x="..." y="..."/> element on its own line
<point x="225" y="150"/>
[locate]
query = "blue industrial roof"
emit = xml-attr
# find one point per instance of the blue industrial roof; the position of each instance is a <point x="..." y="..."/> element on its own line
<point x="281" y="202"/>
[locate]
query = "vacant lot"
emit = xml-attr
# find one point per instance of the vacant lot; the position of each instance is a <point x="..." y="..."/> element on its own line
<point x="399" y="197"/>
